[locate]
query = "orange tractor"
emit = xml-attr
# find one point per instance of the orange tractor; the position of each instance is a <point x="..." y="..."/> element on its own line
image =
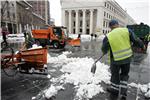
<point x="54" y="36"/>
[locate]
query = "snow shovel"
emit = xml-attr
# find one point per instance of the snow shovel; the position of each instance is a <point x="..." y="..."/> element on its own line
<point x="93" y="69"/>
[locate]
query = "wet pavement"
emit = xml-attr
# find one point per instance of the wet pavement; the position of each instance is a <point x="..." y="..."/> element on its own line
<point x="26" y="86"/>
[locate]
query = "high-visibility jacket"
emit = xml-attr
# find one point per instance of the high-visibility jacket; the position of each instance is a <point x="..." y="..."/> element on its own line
<point x="120" y="43"/>
<point x="148" y="37"/>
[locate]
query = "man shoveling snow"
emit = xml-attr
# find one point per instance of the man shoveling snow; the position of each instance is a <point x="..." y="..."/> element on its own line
<point x="117" y="42"/>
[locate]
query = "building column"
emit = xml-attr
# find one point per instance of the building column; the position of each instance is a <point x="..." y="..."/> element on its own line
<point x="63" y="17"/>
<point x="99" y="21"/>
<point x="77" y="22"/>
<point x="70" y="20"/>
<point x="84" y="22"/>
<point x="20" y="28"/>
<point x="91" y="21"/>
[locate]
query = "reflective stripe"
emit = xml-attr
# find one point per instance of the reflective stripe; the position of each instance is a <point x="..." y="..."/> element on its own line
<point x="122" y="56"/>
<point x="124" y="82"/>
<point x="120" y="51"/>
<point x="114" y="88"/>
<point x="123" y="86"/>
<point x="115" y="85"/>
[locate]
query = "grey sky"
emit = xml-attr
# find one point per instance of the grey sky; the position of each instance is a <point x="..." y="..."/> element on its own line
<point x="139" y="10"/>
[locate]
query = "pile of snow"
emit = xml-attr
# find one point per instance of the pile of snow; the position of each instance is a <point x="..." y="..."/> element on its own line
<point x="52" y="91"/>
<point x="77" y="71"/>
<point x="145" y="88"/>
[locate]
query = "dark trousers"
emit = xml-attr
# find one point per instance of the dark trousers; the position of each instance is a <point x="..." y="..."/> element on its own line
<point x="4" y="39"/>
<point x="119" y="77"/>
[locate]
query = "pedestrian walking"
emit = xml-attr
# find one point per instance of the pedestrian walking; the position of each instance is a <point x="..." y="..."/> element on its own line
<point x="118" y="43"/>
<point x="4" y="34"/>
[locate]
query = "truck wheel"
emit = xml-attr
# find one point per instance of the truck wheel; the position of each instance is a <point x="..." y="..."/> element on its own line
<point x="56" y="44"/>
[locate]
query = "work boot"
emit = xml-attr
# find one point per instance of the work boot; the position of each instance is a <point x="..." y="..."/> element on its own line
<point x="113" y="97"/>
<point x="112" y="91"/>
<point x="123" y="97"/>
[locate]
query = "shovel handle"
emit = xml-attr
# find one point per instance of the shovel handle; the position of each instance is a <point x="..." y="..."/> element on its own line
<point x="99" y="58"/>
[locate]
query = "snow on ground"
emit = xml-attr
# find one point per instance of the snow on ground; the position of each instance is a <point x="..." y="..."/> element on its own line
<point x="77" y="71"/>
<point x="52" y="91"/>
<point x="145" y="88"/>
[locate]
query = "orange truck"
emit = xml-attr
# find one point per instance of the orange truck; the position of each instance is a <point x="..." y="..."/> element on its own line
<point x="54" y="36"/>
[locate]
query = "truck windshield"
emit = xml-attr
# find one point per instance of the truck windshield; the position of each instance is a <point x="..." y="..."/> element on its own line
<point x="57" y="31"/>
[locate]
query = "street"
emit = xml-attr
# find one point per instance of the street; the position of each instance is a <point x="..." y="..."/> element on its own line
<point x="31" y="86"/>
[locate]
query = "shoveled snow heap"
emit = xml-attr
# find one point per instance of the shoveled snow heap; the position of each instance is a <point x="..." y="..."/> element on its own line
<point x="77" y="71"/>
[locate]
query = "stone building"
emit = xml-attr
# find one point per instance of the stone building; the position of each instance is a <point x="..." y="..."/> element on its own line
<point x="8" y="15"/>
<point x="19" y="16"/>
<point x="41" y="8"/>
<point x="26" y="18"/>
<point x="92" y="16"/>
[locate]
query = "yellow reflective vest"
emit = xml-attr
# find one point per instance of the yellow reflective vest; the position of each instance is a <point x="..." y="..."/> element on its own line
<point x="120" y="43"/>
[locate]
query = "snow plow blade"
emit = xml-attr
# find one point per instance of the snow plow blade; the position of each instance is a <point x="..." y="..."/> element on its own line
<point x="74" y="42"/>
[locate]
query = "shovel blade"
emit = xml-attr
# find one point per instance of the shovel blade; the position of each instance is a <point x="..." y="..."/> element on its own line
<point x="93" y="69"/>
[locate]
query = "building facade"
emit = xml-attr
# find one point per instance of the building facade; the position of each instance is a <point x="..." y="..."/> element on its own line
<point x="88" y="16"/>
<point x="42" y="8"/>
<point x="19" y="16"/>
<point x="26" y="18"/>
<point x="8" y="15"/>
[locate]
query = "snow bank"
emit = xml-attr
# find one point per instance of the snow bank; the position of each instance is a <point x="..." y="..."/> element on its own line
<point x="86" y="91"/>
<point x="77" y="71"/>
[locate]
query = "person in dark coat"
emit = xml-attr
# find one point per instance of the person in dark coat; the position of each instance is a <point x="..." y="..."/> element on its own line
<point x="4" y="35"/>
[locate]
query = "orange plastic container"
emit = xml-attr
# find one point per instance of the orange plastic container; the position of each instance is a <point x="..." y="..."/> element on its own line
<point x="35" y="55"/>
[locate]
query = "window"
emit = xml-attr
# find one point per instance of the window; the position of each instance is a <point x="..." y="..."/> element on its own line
<point x="107" y="15"/>
<point x="74" y="14"/>
<point x="80" y="30"/>
<point x="74" y="23"/>
<point x="106" y="24"/>
<point x="80" y="14"/>
<point x="87" y="23"/>
<point x="103" y="23"/>
<point x="105" y="4"/>
<point x="13" y="15"/>
<point x="8" y="14"/>
<point x="104" y="13"/>
<point x="80" y="23"/>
